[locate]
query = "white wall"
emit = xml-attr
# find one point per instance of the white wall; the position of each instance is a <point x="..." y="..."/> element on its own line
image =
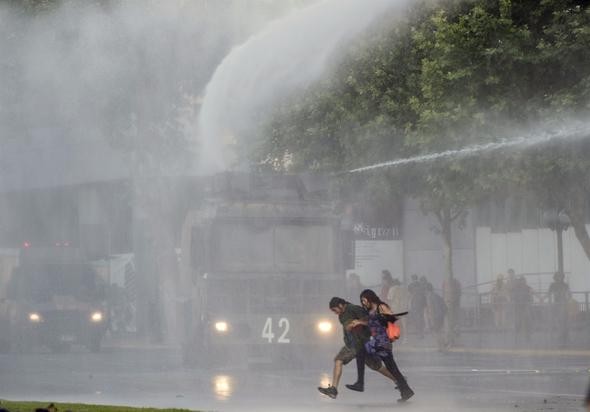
<point x="372" y="256"/>
<point x="530" y="251"/>
<point x="423" y="248"/>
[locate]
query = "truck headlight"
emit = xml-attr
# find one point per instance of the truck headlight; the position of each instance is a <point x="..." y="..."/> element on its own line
<point x="324" y="327"/>
<point x="34" y="317"/>
<point x="223" y="387"/>
<point x="221" y="326"/>
<point x="96" y="317"/>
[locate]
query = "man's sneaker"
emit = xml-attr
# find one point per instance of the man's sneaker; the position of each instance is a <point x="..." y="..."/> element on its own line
<point x="330" y="391"/>
<point x="406" y="394"/>
<point x="359" y="387"/>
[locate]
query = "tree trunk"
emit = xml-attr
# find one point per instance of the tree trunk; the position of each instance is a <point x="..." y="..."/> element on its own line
<point x="576" y="212"/>
<point x="446" y="220"/>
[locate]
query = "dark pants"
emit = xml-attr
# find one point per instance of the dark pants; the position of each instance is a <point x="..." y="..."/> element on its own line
<point x="560" y="323"/>
<point x="361" y="355"/>
<point x="522" y="323"/>
<point x="362" y="359"/>
<point x="416" y="319"/>
<point x="394" y="370"/>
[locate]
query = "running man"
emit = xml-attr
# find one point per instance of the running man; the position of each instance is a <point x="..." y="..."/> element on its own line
<point x="355" y="337"/>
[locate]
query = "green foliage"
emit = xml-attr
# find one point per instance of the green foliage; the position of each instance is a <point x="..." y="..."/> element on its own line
<point x="42" y="6"/>
<point x="35" y="6"/>
<point x="448" y="75"/>
<point x="13" y="406"/>
<point x="445" y="76"/>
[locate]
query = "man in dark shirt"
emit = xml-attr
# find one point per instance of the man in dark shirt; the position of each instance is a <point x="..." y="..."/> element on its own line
<point x="354" y="341"/>
<point x="559" y="296"/>
<point x="417" y="305"/>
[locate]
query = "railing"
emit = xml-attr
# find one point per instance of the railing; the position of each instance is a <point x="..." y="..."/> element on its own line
<point x="583" y="299"/>
<point x="539" y="312"/>
<point x="542" y="298"/>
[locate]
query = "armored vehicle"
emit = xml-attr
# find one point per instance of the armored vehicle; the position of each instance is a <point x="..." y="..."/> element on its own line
<point x="261" y="259"/>
<point x="53" y="300"/>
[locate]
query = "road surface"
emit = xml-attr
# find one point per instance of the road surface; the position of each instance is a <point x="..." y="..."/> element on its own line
<point x="154" y="376"/>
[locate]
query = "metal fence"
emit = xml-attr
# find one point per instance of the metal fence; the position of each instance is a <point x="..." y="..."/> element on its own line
<point x="480" y="312"/>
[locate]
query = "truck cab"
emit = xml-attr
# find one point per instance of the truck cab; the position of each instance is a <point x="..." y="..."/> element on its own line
<point x="54" y="303"/>
<point x="259" y="274"/>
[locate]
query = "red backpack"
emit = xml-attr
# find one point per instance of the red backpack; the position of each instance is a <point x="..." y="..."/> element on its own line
<point x="393" y="330"/>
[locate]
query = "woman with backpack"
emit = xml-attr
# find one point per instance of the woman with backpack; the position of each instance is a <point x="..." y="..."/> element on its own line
<point x="380" y="344"/>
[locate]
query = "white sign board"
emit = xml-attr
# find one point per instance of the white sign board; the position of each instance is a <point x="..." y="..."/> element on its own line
<point x="372" y="256"/>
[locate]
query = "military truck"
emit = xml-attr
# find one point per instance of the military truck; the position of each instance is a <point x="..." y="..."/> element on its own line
<point x="53" y="299"/>
<point x="260" y="260"/>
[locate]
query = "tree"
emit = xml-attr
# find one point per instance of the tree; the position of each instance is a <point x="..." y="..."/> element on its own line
<point x="557" y="174"/>
<point x="567" y="59"/>
<point x="451" y="75"/>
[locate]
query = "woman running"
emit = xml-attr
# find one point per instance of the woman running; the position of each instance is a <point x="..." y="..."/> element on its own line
<point x="379" y="344"/>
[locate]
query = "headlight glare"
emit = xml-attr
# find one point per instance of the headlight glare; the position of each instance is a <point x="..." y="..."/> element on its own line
<point x="34" y="317"/>
<point x="325" y="327"/>
<point x="96" y="317"/>
<point x="221" y="326"/>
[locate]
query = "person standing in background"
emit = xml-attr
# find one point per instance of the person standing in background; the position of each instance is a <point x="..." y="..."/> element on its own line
<point x="452" y="295"/>
<point x="511" y="304"/>
<point x="354" y="287"/>
<point x="499" y="297"/>
<point x="386" y="284"/>
<point x="399" y="300"/>
<point x="523" y="298"/>
<point x="417" y="306"/>
<point x="436" y="311"/>
<point x="559" y="297"/>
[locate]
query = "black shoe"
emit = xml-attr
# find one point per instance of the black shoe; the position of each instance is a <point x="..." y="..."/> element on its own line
<point x="406" y="394"/>
<point x="359" y="387"/>
<point x="330" y="391"/>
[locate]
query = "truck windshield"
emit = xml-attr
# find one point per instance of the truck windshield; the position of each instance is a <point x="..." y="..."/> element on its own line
<point x="40" y="283"/>
<point x="242" y="247"/>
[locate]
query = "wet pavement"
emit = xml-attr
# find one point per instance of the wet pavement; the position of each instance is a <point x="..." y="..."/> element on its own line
<point x="155" y="376"/>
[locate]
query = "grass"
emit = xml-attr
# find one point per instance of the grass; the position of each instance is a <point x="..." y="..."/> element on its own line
<point x="14" y="406"/>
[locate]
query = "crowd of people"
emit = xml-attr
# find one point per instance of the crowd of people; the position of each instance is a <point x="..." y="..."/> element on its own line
<point x="515" y="307"/>
<point x="511" y="301"/>
<point x="364" y="326"/>
<point x="512" y="304"/>
<point x="365" y="334"/>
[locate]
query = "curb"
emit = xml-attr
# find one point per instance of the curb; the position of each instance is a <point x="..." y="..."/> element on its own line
<point x="512" y="352"/>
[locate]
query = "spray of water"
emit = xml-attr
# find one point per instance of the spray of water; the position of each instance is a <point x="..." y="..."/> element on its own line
<point x="573" y="131"/>
<point x="289" y="54"/>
